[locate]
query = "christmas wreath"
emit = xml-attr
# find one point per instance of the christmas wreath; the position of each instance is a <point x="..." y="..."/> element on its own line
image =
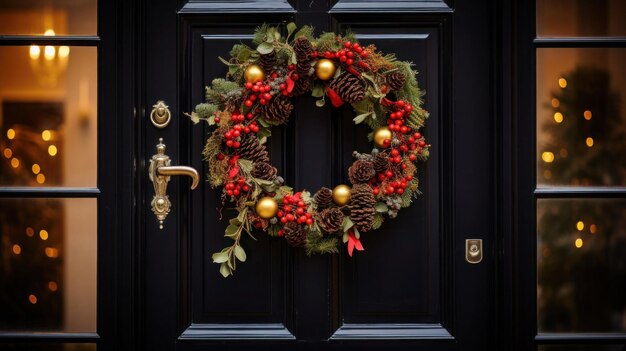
<point x="258" y="94"/>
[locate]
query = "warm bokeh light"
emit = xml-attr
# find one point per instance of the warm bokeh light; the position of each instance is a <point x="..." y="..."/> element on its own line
<point x="10" y="133"/>
<point x="49" y="32"/>
<point x="49" y="52"/>
<point x="15" y="162"/>
<point x="563" y="152"/>
<point x="555" y="102"/>
<point x="43" y="234"/>
<point x="52" y="150"/>
<point x="30" y="231"/>
<point x="547" y="174"/>
<point x="547" y="156"/>
<point x="51" y="252"/>
<point x="578" y="243"/>
<point x="32" y="299"/>
<point x="36" y="169"/>
<point x="589" y="141"/>
<point x="558" y="117"/>
<point x="580" y="225"/>
<point x="52" y="286"/>
<point x="17" y="249"/>
<point x="8" y="153"/>
<point x="587" y="114"/>
<point x="41" y="178"/>
<point x="593" y="229"/>
<point x="562" y="82"/>
<point x="34" y="52"/>
<point x="46" y="135"/>
<point x="64" y="51"/>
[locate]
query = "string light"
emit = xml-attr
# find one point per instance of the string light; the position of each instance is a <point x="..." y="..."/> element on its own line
<point x="589" y="141"/>
<point x="555" y="102"/>
<point x="52" y="286"/>
<point x="580" y="225"/>
<point x="562" y="82"/>
<point x="36" y="169"/>
<point x="29" y="232"/>
<point x="41" y="178"/>
<point x="46" y="135"/>
<point x="578" y="243"/>
<point x="587" y="114"/>
<point x="8" y="153"/>
<point x="563" y="152"/>
<point x="43" y="234"/>
<point x="10" y="133"/>
<point x="17" y="249"/>
<point x="52" y="150"/>
<point x="593" y="229"/>
<point x="32" y="299"/>
<point x="51" y="252"/>
<point x="558" y="117"/>
<point x="15" y="162"/>
<point x="547" y="156"/>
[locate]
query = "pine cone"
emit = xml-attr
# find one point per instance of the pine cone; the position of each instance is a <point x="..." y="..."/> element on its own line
<point x="264" y="170"/>
<point x="295" y="234"/>
<point x="349" y="87"/>
<point x="267" y="62"/>
<point x="303" y="48"/>
<point x="361" y="172"/>
<point x="396" y="80"/>
<point x="303" y="67"/>
<point x="252" y="150"/>
<point x="278" y="110"/>
<point x="302" y="86"/>
<point x="361" y="206"/>
<point x="323" y="197"/>
<point x="330" y="220"/>
<point x="381" y="163"/>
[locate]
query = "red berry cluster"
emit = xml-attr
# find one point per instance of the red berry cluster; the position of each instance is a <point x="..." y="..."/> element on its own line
<point x="409" y="142"/>
<point x="233" y="135"/>
<point x="259" y="91"/>
<point x="236" y="187"/>
<point x="294" y="209"/>
<point x="352" y="54"/>
<point x="393" y="186"/>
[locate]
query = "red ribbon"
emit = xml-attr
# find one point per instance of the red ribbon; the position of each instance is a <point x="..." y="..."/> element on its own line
<point x="353" y="71"/>
<point x="234" y="169"/>
<point x="290" y="84"/>
<point x="353" y="243"/>
<point x="386" y="102"/>
<point x="334" y="97"/>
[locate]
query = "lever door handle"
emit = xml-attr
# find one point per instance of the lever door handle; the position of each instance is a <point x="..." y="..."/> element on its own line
<point x="159" y="173"/>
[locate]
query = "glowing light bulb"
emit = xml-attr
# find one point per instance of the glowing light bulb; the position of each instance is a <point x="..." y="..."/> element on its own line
<point x="589" y="141"/>
<point x="587" y="114"/>
<point x="558" y="117"/>
<point x="49" y="52"/>
<point x="10" y="133"/>
<point x="30" y="231"/>
<point x="580" y="225"/>
<point x="51" y="252"/>
<point x="36" y="169"/>
<point x="15" y="162"/>
<point x="41" y="178"/>
<point x="32" y="299"/>
<point x="64" y="51"/>
<point x="17" y="249"/>
<point x="555" y="102"/>
<point x="52" y="150"/>
<point x="593" y="228"/>
<point x="8" y="153"/>
<point x="49" y="32"/>
<point x="52" y="286"/>
<point x="46" y="135"/>
<point x="43" y="234"/>
<point x="562" y="82"/>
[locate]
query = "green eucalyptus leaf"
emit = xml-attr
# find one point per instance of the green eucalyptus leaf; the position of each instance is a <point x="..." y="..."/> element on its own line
<point x="360" y="118"/>
<point x="231" y="231"/>
<point x="381" y="207"/>
<point x="265" y="48"/>
<point x="240" y="253"/>
<point x="345" y="238"/>
<point x="220" y="257"/>
<point x="318" y="90"/>
<point x="225" y="270"/>
<point x="246" y="165"/>
<point x="194" y="118"/>
<point x="347" y="224"/>
<point x="291" y="27"/>
<point x="320" y="103"/>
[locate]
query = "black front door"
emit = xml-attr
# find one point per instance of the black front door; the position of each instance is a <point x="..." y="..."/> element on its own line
<point x="412" y="288"/>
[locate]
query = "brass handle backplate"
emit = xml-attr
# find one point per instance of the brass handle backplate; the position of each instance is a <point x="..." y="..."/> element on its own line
<point x="473" y="250"/>
<point x="159" y="173"/>
<point x="160" y="115"/>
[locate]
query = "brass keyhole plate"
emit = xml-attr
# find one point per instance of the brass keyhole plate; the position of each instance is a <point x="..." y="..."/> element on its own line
<point x="473" y="250"/>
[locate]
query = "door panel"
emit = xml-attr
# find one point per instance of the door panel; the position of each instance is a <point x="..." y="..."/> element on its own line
<point x="400" y="288"/>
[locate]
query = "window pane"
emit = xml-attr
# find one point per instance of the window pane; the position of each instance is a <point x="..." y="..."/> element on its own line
<point x="48" y="17"/>
<point x="48" y="116"/>
<point x="581" y="112"/>
<point x="581" y="265"/>
<point x="48" y="346"/>
<point x="570" y="18"/>
<point x="48" y="264"/>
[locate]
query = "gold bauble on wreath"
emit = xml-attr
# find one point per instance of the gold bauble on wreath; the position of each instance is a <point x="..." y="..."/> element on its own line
<point x="325" y="69"/>
<point x="266" y="207"/>
<point x="341" y="194"/>
<point x="253" y="74"/>
<point x="382" y="137"/>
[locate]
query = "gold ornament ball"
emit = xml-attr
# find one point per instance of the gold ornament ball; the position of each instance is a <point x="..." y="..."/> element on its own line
<point x="380" y="135"/>
<point x="325" y="69"/>
<point x="266" y="207"/>
<point x="341" y="194"/>
<point x="253" y="74"/>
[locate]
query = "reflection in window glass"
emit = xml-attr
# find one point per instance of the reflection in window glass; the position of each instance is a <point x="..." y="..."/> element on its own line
<point x="48" y="107"/>
<point x="581" y="265"/>
<point x="570" y="18"/>
<point x="48" y="264"/>
<point x="48" y="17"/>
<point x="581" y="117"/>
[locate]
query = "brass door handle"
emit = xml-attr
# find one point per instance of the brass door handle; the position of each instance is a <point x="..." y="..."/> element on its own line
<point x="159" y="173"/>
